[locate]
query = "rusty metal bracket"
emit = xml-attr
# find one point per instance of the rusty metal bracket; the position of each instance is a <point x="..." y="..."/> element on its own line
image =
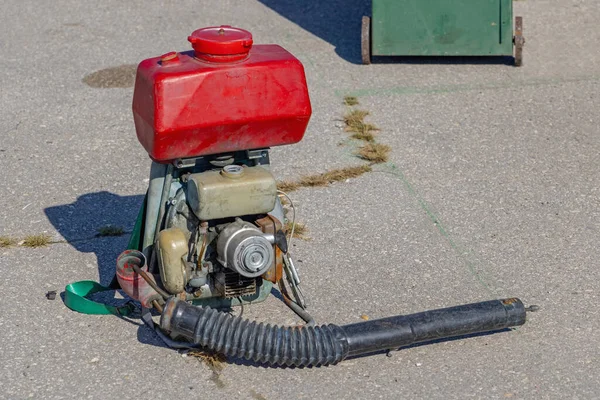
<point x="365" y="40"/>
<point x="519" y="41"/>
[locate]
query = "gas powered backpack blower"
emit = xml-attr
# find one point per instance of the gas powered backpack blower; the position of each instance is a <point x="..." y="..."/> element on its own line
<point x="211" y="232"/>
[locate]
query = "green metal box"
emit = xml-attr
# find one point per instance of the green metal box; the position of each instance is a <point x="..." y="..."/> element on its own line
<point x="439" y="28"/>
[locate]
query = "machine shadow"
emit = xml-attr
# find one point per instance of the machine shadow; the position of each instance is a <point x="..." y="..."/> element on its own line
<point x="79" y="222"/>
<point x="337" y="23"/>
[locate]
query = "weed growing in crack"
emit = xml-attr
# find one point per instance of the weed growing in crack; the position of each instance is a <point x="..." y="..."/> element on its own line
<point x="34" y="241"/>
<point x="7" y="241"/>
<point x="324" y="179"/>
<point x="374" y="152"/>
<point x="350" y="100"/>
<point x="110" y="230"/>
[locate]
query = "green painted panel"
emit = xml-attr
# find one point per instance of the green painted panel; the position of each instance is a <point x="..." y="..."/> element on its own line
<point x="441" y="27"/>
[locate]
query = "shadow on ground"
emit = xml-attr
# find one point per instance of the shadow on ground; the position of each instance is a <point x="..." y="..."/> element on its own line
<point x="79" y="222"/>
<point x="337" y="22"/>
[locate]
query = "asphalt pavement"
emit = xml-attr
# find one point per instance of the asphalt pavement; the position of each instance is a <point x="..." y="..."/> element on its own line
<point x="491" y="191"/>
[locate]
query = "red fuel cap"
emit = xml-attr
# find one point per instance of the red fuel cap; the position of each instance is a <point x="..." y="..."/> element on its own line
<point x="221" y="43"/>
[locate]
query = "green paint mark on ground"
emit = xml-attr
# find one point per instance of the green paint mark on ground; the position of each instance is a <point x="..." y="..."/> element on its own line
<point x="467" y="256"/>
<point x="392" y="169"/>
<point x="410" y="90"/>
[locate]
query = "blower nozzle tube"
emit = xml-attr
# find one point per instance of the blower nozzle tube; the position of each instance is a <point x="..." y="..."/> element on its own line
<point x="330" y="344"/>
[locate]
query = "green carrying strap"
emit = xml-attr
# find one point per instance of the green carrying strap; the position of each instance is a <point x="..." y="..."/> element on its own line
<point x="76" y="299"/>
<point x="76" y="293"/>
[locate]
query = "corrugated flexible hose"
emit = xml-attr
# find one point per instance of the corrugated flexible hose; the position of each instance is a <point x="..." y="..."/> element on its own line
<point x="305" y="346"/>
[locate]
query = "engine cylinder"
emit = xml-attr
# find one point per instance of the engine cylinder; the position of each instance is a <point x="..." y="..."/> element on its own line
<point x="244" y="249"/>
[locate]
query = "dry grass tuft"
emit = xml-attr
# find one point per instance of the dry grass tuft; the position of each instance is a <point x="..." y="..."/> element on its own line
<point x="367" y="136"/>
<point x="7" y="241"/>
<point x="324" y="179"/>
<point x="354" y="118"/>
<point x="374" y="152"/>
<point x="287" y="186"/>
<point x="350" y="101"/>
<point x="282" y="199"/>
<point x="214" y="361"/>
<point x="300" y="230"/>
<point x="336" y="175"/>
<point x="110" y="230"/>
<point x="361" y="130"/>
<point x="40" y="240"/>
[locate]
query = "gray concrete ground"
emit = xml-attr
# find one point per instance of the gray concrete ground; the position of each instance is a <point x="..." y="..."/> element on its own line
<point x="491" y="191"/>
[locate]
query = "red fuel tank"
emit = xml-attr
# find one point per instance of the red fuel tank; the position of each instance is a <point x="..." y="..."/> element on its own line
<point x="225" y="95"/>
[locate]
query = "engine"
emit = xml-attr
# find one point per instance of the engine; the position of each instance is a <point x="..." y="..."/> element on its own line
<point x="221" y="230"/>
